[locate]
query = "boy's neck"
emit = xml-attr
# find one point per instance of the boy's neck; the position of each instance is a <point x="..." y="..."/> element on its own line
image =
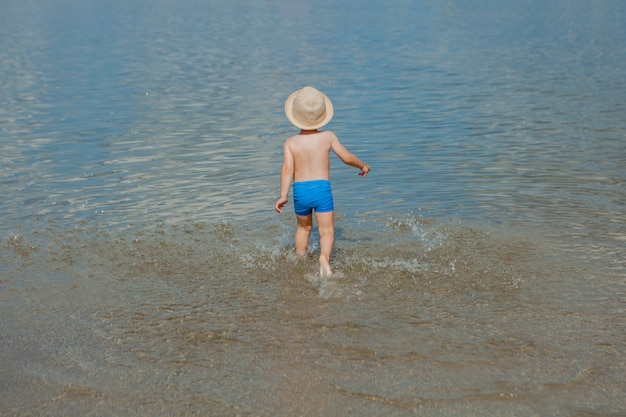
<point x="308" y="132"/>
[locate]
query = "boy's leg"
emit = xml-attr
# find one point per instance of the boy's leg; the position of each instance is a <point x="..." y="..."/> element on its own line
<point x="326" y="229"/>
<point x="303" y="231"/>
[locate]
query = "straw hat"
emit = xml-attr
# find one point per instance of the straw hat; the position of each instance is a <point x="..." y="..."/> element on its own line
<point x="308" y="109"/>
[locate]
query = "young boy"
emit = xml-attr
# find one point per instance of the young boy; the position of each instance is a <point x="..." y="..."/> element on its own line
<point x="307" y="163"/>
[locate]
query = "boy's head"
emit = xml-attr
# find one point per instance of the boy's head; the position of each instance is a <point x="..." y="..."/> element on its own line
<point x="308" y="109"/>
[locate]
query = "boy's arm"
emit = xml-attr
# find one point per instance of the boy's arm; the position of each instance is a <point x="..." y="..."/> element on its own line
<point x="349" y="158"/>
<point x="286" y="176"/>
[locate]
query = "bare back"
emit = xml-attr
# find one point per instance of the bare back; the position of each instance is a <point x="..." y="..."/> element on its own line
<point x="311" y="155"/>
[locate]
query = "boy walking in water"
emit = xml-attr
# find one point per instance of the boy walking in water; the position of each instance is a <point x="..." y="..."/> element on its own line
<point x="307" y="163"/>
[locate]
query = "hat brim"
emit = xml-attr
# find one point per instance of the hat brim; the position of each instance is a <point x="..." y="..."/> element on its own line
<point x="302" y="124"/>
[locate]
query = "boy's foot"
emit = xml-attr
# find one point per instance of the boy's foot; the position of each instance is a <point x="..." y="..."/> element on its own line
<point x="325" y="270"/>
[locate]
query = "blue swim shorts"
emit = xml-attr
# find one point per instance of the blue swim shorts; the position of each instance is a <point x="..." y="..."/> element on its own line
<point x="312" y="195"/>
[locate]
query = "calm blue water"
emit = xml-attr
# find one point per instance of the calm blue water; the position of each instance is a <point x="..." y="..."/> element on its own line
<point x="480" y="267"/>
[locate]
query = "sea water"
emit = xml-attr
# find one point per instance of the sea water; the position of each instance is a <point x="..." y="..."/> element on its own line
<point x="479" y="268"/>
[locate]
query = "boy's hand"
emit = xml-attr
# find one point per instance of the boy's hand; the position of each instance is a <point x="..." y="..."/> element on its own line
<point x="365" y="170"/>
<point x="280" y="203"/>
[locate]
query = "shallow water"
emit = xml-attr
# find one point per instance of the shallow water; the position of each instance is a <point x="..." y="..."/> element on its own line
<point x="479" y="268"/>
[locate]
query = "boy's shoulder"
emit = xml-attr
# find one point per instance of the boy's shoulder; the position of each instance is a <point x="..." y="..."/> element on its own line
<point x="315" y="134"/>
<point x="322" y="136"/>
